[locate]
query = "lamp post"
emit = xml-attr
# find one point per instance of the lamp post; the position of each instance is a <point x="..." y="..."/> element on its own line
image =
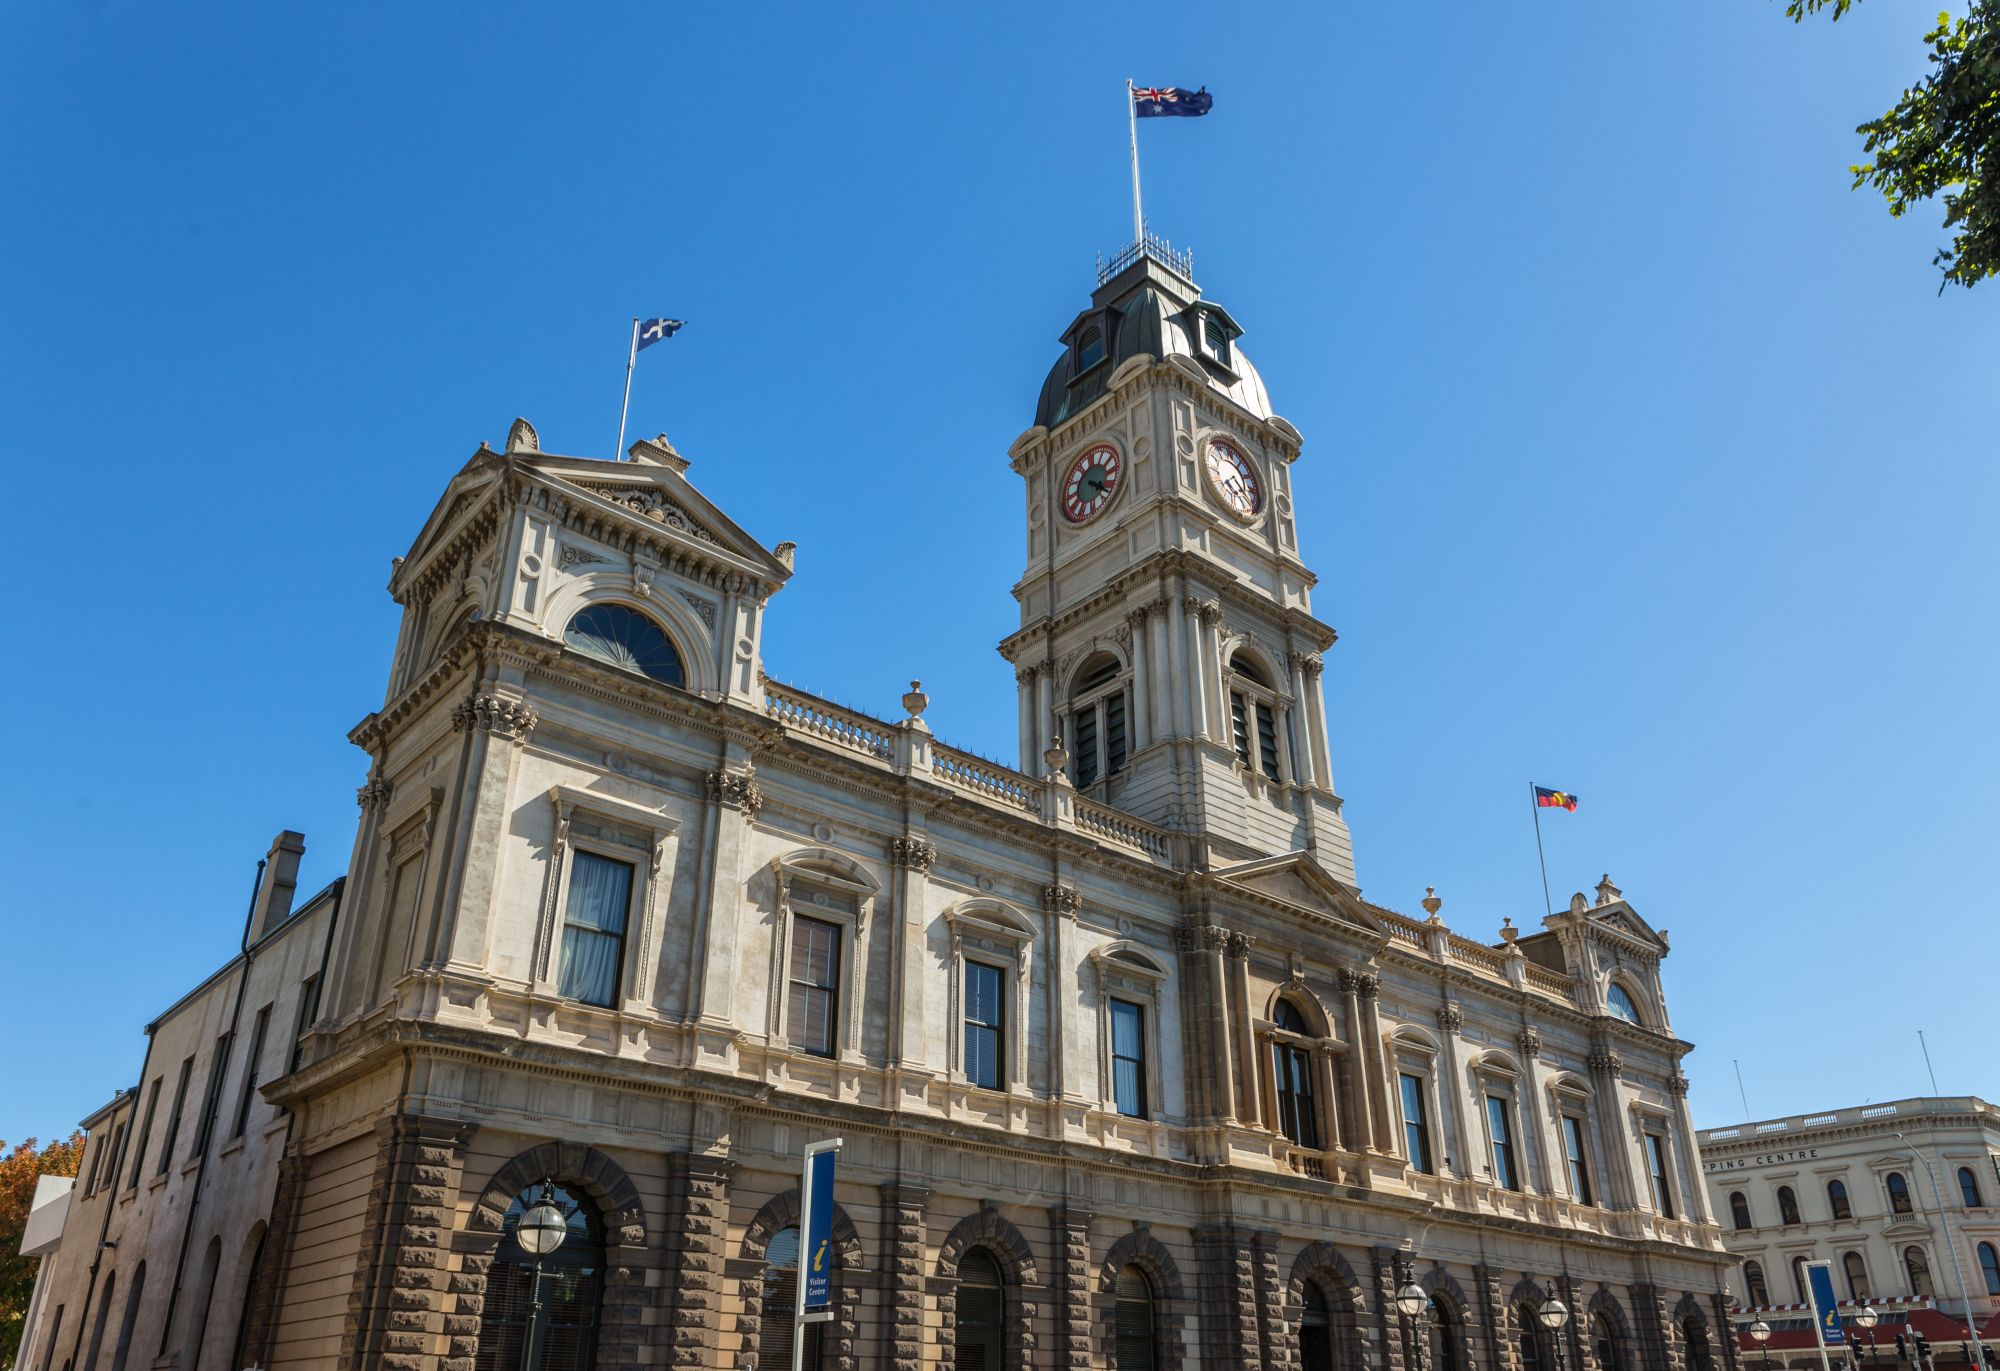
<point x="1866" y="1318"/>
<point x="1553" y="1314"/>
<point x="1760" y="1333"/>
<point x="540" y="1231"/>
<point x="1411" y="1301"/>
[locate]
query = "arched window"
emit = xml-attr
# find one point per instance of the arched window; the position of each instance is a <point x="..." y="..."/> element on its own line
<point x="1444" y="1338"/>
<point x="252" y="1270"/>
<point x="1899" y="1193"/>
<point x="982" y="1309"/>
<point x="1619" y="1001"/>
<point x="1253" y="716"/>
<point x="1753" y="1283"/>
<point x="131" y="1318"/>
<point x="1919" y="1268"/>
<point x="1695" y="1334"/>
<point x="1836" y="1200"/>
<point x="1968" y="1188"/>
<point x="571" y="1286"/>
<point x="781" y="1299"/>
<point x="1133" y="1323"/>
<point x="1989" y="1267"/>
<point x="625" y="638"/>
<point x="103" y="1317"/>
<point x="1291" y="1063"/>
<point x="1605" y="1342"/>
<point x="1532" y="1334"/>
<point x="1315" y="1332"/>
<point x="1857" y="1276"/>
<point x="204" y="1295"/>
<point x="1788" y="1206"/>
<point x="1098" y="732"/>
<point x="1739" y="1211"/>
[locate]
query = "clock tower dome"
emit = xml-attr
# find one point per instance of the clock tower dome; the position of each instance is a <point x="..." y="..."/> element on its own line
<point x="1167" y="635"/>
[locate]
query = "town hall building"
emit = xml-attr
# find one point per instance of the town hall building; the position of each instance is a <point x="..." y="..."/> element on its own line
<point x="1129" y="1072"/>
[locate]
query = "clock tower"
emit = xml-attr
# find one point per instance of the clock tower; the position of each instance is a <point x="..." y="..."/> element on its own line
<point x="1167" y="635"/>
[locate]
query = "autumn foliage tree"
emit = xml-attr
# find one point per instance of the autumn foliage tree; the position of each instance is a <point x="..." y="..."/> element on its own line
<point x="18" y="1170"/>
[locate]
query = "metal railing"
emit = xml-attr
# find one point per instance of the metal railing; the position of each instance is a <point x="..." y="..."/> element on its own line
<point x="1151" y="245"/>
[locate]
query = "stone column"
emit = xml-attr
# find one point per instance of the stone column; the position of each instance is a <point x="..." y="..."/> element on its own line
<point x="1368" y="986"/>
<point x="1047" y="725"/>
<point x="1203" y="1010"/>
<point x="1165" y="722"/>
<point x="464" y="900"/>
<point x="1142" y="682"/>
<point x="1452" y="1091"/>
<point x="733" y="802"/>
<point x="1242" y="1041"/>
<point x="396" y="1319"/>
<point x="902" y="1345"/>
<point x="1061" y="904"/>
<point x="1199" y="677"/>
<point x="912" y="856"/>
<point x="1622" y="1184"/>
<point x="1300" y="713"/>
<point x="1177" y="666"/>
<point x="1070" y="1227"/>
<point x="1361" y="1064"/>
<point x="1031" y="745"/>
<point x="1229" y="1325"/>
<point x="1535" y="1117"/>
<point x="1696" y="1205"/>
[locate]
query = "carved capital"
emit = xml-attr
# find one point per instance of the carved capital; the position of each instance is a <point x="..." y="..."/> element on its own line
<point x="1137" y="617"/>
<point x="1307" y="664"/>
<point x="373" y="795"/>
<point x="914" y="853"/>
<point x="1606" y="1060"/>
<point x="1025" y="675"/>
<point x="1530" y="1042"/>
<point x="1678" y="1082"/>
<point x="1239" y="944"/>
<point x="1210" y="611"/>
<point x="1366" y="984"/>
<point x="1062" y="899"/>
<point x="514" y="719"/>
<point x="737" y="789"/>
<point x="1214" y="938"/>
<point x="1450" y="1018"/>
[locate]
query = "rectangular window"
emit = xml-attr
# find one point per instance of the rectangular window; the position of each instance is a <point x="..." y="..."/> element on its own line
<point x="983" y="1017"/>
<point x="1239" y="727"/>
<point x="1656" y="1170"/>
<point x="308" y="1016"/>
<point x="1114" y="733"/>
<point x="1416" y="1125"/>
<point x="1579" y="1162"/>
<point x="96" y="1167"/>
<point x="1267" y="741"/>
<point x="115" y="1158"/>
<point x="249" y="1095"/>
<point x="593" y="938"/>
<point x="55" y="1333"/>
<point x="174" y="1116"/>
<point x="1502" y="1140"/>
<point x="1128" y="1058"/>
<point x="211" y="1099"/>
<point x="815" y="990"/>
<point x="145" y="1132"/>
<point x="1084" y="726"/>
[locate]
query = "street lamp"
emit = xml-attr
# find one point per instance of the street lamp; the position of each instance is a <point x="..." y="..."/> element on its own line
<point x="1760" y="1332"/>
<point x="1553" y="1315"/>
<point x="540" y="1231"/>
<point x="1411" y="1301"/>
<point x="1866" y="1317"/>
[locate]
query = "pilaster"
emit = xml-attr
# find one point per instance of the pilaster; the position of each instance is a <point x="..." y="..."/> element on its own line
<point x="1387" y="1276"/>
<point x="396" y="1319"/>
<point x="1230" y="1339"/>
<point x="902" y="1294"/>
<point x="1071" y="1229"/>
<point x="697" y="1226"/>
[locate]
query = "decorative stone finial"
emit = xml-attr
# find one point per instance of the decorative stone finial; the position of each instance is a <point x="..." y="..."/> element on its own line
<point x="521" y="437"/>
<point x="1432" y="904"/>
<point x="1508" y="933"/>
<point x="1578" y="904"/>
<point x="1057" y="758"/>
<point x="786" y="553"/>
<point x="1607" y="893"/>
<point x="915" y="700"/>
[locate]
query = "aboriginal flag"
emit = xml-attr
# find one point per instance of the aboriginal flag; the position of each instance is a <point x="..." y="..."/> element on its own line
<point x="1554" y="799"/>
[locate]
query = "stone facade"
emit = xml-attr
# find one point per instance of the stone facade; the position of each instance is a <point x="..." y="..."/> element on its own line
<point x="835" y="924"/>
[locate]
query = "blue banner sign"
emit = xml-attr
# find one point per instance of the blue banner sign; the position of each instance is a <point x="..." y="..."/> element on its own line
<point x="816" y="1230"/>
<point x="1826" y="1309"/>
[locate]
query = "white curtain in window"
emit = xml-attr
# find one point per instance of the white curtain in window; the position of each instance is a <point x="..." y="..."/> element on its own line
<point x="600" y="892"/>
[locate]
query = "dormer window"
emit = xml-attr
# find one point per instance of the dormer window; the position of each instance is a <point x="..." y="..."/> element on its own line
<point x="1215" y="338"/>
<point x="1089" y="348"/>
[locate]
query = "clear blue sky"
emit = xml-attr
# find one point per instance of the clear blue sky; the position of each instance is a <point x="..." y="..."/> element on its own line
<point x="1642" y="456"/>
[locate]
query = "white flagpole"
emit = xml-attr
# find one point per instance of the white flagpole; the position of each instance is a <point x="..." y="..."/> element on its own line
<point x="618" y="455"/>
<point x="1132" y="123"/>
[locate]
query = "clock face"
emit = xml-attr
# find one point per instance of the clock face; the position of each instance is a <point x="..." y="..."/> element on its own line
<point x="1234" y="479"/>
<point x="1092" y="481"/>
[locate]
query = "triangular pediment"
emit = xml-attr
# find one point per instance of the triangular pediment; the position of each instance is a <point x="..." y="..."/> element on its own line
<point x="664" y="498"/>
<point x="466" y="490"/>
<point x="1623" y="921"/>
<point x="1296" y="880"/>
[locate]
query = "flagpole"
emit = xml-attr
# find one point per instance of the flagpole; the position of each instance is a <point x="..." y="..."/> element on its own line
<point x="631" y="356"/>
<point x="1535" y="805"/>
<point x="1132" y="125"/>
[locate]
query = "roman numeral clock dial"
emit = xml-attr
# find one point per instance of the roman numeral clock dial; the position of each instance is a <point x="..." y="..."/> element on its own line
<point x="1234" y="480"/>
<point x="1092" y="481"/>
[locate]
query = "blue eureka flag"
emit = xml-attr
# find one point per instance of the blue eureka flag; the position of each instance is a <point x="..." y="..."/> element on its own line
<point x="652" y="331"/>
<point x="1153" y="102"/>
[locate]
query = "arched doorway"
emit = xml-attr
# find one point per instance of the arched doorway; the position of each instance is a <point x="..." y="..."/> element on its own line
<point x="1444" y="1338"/>
<point x="562" y="1334"/>
<point x="1695" y="1334"/>
<point x="982" y="1313"/>
<point x="1137" y="1342"/>
<point x="1315" y="1332"/>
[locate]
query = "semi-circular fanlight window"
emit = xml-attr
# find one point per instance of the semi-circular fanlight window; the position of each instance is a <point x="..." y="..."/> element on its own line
<point x="625" y="638"/>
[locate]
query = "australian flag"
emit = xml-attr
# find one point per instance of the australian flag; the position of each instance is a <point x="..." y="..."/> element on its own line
<point x="652" y="331"/>
<point x="1153" y="102"/>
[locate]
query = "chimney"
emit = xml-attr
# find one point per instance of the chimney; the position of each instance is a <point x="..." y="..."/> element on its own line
<point x="281" y="883"/>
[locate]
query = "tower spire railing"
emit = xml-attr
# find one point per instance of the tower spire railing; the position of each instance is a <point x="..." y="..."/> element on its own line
<point x="1148" y="244"/>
